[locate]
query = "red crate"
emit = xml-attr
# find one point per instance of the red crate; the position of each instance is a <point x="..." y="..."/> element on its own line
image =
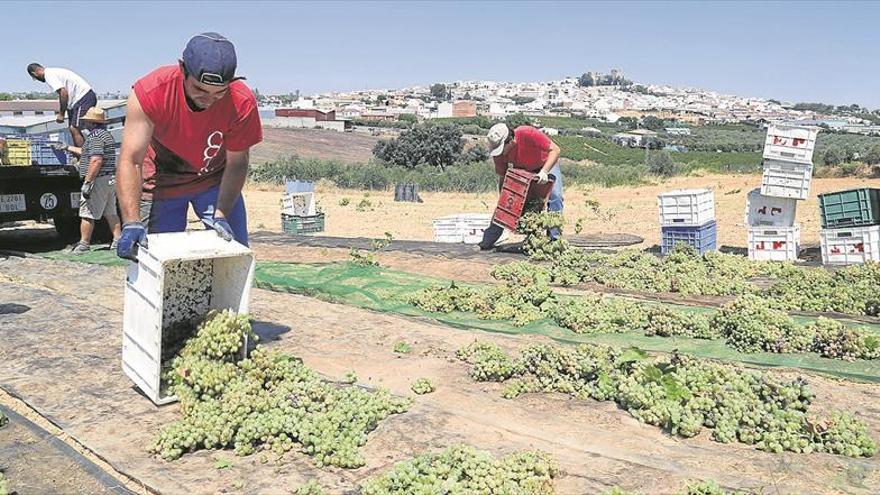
<point x="519" y="188"/>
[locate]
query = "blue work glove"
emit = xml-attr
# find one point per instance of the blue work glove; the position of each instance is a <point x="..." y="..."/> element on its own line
<point x="133" y="233"/>
<point x="221" y="225"/>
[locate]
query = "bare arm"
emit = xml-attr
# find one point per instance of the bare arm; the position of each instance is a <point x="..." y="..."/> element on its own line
<point x="74" y="150"/>
<point x="63" y="99"/>
<point x="234" y="175"/>
<point x="94" y="166"/>
<point x="552" y="157"/>
<point x="135" y="140"/>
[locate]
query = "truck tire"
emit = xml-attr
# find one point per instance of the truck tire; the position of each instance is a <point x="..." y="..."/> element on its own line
<point x="67" y="228"/>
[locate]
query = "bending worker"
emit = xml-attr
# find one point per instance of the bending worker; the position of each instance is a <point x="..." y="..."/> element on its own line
<point x="75" y="96"/>
<point x="188" y="133"/>
<point x="530" y="149"/>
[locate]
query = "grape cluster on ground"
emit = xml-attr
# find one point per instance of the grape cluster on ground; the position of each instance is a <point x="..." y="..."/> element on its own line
<point x="269" y="400"/>
<point x="678" y="393"/>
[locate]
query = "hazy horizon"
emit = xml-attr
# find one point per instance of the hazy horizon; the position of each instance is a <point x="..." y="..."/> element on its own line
<point x="799" y="52"/>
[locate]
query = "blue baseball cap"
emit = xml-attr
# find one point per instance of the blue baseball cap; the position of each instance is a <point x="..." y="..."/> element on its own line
<point x="210" y="59"/>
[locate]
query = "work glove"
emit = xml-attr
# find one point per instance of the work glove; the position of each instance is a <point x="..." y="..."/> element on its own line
<point x="221" y="225"/>
<point x="60" y="146"/>
<point x="86" y="189"/>
<point x="542" y="177"/>
<point x="133" y="234"/>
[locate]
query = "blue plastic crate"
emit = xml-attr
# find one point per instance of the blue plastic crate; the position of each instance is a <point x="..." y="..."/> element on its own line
<point x="44" y="155"/>
<point x="702" y="238"/>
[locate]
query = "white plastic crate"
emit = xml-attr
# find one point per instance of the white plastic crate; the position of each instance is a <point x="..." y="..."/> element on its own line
<point x="769" y="210"/>
<point x="169" y="290"/>
<point x="472" y="226"/>
<point x="850" y="246"/>
<point x="786" y="179"/>
<point x="300" y="204"/>
<point x="790" y="143"/>
<point x="686" y="207"/>
<point x="774" y="243"/>
<point x="465" y="228"/>
<point x="446" y="229"/>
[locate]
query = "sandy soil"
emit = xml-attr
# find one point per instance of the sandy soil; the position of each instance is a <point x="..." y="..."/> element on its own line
<point x="631" y="210"/>
<point x="351" y="147"/>
<point x="65" y="363"/>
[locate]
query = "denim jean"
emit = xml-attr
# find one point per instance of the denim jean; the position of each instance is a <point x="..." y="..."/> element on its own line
<point x="554" y="202"/>
<point x="169" y="215"/>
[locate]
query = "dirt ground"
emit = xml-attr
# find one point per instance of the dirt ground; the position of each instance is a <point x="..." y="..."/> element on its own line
<point x="34" y="462"/>
<point x="630" y="210"/>
<point x="62" y="358"/>
<point x="350" y="147"/>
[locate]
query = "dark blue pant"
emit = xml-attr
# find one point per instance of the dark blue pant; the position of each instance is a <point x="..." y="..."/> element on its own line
<point x="169" y="215"/>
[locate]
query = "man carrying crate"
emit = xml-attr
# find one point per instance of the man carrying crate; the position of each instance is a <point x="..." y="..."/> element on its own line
<point x="529" y="149"/>
<point x="188" y="133"/>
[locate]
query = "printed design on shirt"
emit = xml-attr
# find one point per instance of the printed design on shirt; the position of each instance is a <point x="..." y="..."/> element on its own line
<point x="214" y="145"/>
<point x="171" y="169"/>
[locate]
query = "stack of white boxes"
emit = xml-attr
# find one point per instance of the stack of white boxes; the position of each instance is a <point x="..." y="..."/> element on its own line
<point x="687" y="216"/>
<point x="770" y="210"/>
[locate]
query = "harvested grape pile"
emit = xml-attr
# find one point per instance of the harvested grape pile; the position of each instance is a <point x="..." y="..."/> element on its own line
<point x="422" y="386"/>
<point x="852" y="290"/>
<point x="465" y="470"/>
<point x="678" y="393"/>
<point x="269" y="400"/>
<point x="310" y="488"/>
<point x="747" y="324"/>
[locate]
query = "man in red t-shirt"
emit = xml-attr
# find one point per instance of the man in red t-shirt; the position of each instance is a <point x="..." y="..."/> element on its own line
<point x="530" y="149"/>
<point x="188" y="133"/>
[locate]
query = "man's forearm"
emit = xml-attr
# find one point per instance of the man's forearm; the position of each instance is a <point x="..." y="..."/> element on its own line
<point x="128" y="189"/>
<point x="552" y="158"/>
<point x="94" y="166"/>
<point x="63" y="101"/>
<point x="231" y="185"/>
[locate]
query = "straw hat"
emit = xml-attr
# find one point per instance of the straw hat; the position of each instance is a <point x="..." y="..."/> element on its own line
<point x="95" y="114"/>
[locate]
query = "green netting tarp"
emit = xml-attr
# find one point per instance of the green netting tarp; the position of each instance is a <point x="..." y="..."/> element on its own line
<point x="384" y="290"/>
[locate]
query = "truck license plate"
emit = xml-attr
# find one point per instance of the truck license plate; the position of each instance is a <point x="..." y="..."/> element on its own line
<point x="12" y="202"/>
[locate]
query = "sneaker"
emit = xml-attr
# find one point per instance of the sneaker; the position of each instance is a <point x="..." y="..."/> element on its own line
<point x="80" y="248"/>
<point x="113" y="244"/>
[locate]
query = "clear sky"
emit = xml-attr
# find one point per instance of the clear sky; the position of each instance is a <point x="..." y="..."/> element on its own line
<point x="797" y="51"/>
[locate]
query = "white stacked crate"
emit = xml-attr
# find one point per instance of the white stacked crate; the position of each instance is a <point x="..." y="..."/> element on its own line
<point x="686" y="207"/>
<point x="177" y="279"/>
<point x="853" y="245"/>
<point x="772" y="233"/>
<point x="464" y="228"/>
<point x="788" y="161"/>
<point x="786" y="179"/>
<point x="299" y="204"/>
<point x="688" y="216"/>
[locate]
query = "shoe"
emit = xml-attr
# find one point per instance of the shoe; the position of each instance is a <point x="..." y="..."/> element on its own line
<point x="490" y="237"/>
<point x="113" y="244"/>
<point x="80" y="248"/>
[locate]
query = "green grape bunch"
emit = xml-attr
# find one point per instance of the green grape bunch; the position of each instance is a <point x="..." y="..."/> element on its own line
<point x="267" y="401"/>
